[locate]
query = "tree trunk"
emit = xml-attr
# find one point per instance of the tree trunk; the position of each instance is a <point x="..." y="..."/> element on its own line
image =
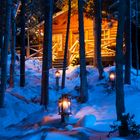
<point x="120" y="108"/>
<point x="137" y="47"/>
<point x="128" y="43"/>
<point x="97" y="37"/>
<point x="2" y="19"/>
<point x="13" y="45"/>
<point x="83" y="73"/>
<point x="1" y="26"/>
<point x="47" y="52"/>
<point x="66" y="46"/>
<point x="5" y="52"/>
<point x="22" y="52"/>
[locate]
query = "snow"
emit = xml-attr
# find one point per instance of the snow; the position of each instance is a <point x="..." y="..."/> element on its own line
<point x="117" y="139"/>
<point x="95" y="115"/>
<point x="69" y="127"/>
<point x="52" y="136"/>
<point x="55" y="136"/>
<point x="88" y="121"/>
<point x="11" y="113"/>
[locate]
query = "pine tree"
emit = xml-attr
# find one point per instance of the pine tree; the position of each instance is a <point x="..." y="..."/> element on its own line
<point x="83" y="75"/>
<point x="97" y="37"/>
<point x="47" y="51"/>
<point x="136" y="32"/>
<point x="22" y="52"/>
<point x="120" y="107"/>
<point x="66" y="46"/>
<point x="128" y="55"/>
<point x="5" y="52"/>
<point x="13" y="45"/>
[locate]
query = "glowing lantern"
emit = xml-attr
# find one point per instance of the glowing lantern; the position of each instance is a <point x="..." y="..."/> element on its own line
<point x="57" y="76"/>
<point x="112" y="79"/>
<point x="64" y="108"/>
<point x="112" y="76"/>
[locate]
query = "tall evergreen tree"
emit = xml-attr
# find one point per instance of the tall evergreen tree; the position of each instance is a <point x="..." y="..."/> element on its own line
<point x="13" y="45"/>
<point x="1" y="13"/>
<point x="128" y="43"/>
<point x="5" y="52"/>
<point x="97" y="37"/>
<point x="136" y="32"/>
<point x="47" y="51"/>
<point x="2" y="19"/>
<point x="66" y="46"/>
<point x="120" y="107"/>
<point x="83" y="75"/>
<point x="22" y="45"/>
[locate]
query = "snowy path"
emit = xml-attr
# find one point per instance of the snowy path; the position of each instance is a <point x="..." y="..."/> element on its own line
<point x="39" y="124"/>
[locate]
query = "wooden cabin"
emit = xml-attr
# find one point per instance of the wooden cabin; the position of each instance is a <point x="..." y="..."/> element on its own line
<point x="109" y="29"/>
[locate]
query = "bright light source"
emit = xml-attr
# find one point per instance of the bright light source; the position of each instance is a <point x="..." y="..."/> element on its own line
<point x="64" y="108"/>
<point x="65" y="104"/>
<point x="112" y="76"/>
<point x="42" y="34"/>
<point x="57" y="74"/>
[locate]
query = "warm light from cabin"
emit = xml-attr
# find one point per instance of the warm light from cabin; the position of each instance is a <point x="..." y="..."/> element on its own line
<point x="42" y="34"/>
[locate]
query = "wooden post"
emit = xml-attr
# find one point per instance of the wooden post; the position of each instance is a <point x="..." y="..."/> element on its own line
<point x="94" y="54"/>
<point x="70" y="45"/>
<point x="86" y="38"/>
<point x="57" y="83"/>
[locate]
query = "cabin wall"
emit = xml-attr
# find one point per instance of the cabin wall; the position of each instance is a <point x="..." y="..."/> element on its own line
<point x="60" y="24"/>
<point x="109" y="30"/>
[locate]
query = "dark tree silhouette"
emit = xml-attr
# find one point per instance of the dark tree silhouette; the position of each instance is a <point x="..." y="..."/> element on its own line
<point x="83" y="75"/>
<point x="5" y="52"/>
<point x="1" y="28"/>
<point x="13" y="46"/>
<point x="66" y="46"/>
<point x="97" y="37"/>
<point x="128" y="43"/>
<point x="120" y="107"/>
<point x="47" y="51"/>
<point x="22" y="45"/>
<point x="136" y="32"/>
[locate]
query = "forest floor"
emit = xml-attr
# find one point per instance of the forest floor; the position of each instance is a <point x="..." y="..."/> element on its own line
<point x="23" y="118"/>
<point x="33" y="127"/>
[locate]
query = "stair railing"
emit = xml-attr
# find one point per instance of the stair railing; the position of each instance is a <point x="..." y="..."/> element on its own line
<point x="73" y="51"/>
<point x="105" y="50"/>
<point x="54" y="51"/>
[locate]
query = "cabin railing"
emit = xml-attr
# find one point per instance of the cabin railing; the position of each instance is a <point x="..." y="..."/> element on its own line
<point x="38" y="50"/>
<point x="74" y="49"/>
<point x="74" y="52"/>
<point x="54" y="51"/>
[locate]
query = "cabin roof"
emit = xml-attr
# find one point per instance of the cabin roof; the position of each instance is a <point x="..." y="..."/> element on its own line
<point x="34" y="16"/>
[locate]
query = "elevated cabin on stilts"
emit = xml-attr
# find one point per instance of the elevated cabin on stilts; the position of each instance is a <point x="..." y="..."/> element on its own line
<point x="109" y="29"/>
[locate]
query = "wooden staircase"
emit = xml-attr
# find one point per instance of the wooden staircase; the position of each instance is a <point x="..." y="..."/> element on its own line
<point x="58" y="61"/>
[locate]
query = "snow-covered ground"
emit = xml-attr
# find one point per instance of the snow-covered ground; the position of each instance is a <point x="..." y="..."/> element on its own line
<point x="23" y="118"/>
